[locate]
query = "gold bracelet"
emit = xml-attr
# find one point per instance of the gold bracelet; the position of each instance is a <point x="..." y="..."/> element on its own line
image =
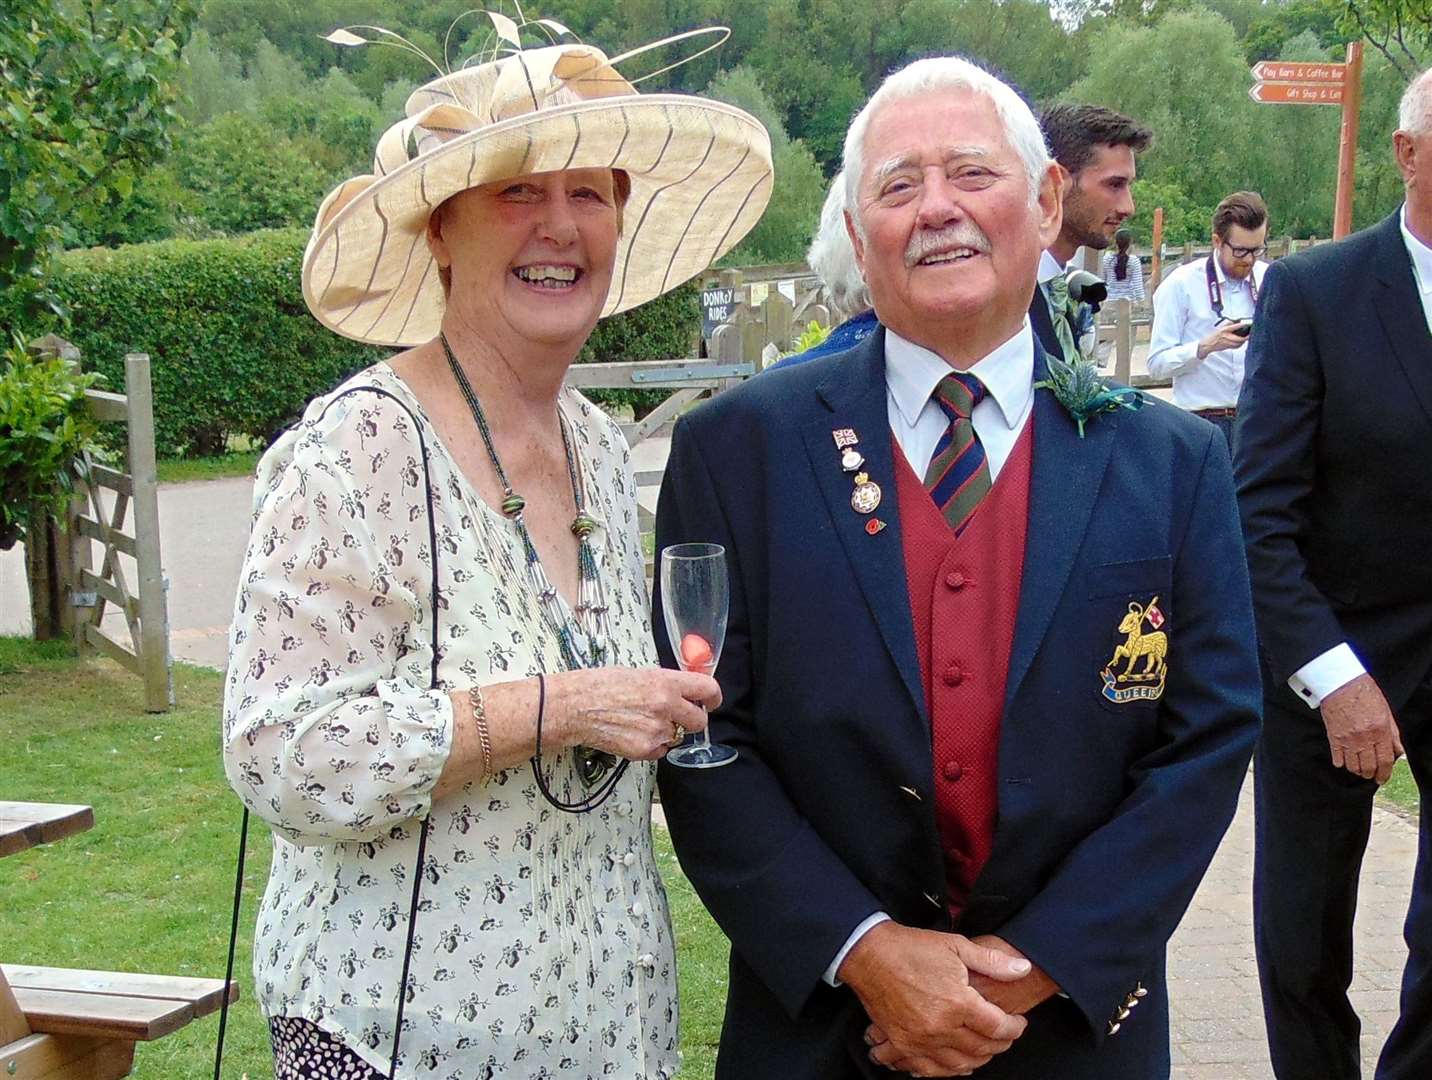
<point x="479" y="716"/>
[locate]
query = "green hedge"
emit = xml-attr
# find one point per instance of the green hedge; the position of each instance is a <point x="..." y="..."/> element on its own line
<point x="234" y="349"/>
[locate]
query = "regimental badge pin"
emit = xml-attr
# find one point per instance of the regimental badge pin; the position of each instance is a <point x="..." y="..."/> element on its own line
<point x="851" y="459"/>
<point x="1144" y="656"/>
<point x="866" y="496"/>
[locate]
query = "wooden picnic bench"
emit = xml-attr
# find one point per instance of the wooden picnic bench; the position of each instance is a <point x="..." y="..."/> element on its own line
<point x="76" y="1024"/>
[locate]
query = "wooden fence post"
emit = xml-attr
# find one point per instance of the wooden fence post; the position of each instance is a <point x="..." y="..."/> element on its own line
<point x="153" y="614"/>
<point x="1156" y="270"/>
<point x="778" y="313"/>
<point x="1123" y="339"/>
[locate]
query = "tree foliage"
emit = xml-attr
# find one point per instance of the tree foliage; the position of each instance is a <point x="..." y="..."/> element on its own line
<point x="1401" y="30"/>
<point x="87" y="91"/>
<point x="275" y="116"/>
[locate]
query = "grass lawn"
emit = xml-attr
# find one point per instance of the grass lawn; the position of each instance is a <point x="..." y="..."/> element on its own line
<point x="149" y="887"/>
<point x="181" y="470"/>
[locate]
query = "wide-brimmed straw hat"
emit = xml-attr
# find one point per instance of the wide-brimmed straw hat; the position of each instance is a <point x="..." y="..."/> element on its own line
<point x="700" y="177"/>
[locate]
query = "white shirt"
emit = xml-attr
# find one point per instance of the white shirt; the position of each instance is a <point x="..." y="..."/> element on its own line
<point x="1333" y="669"/>
<point x="1049" y="267"/>
<point x="1132" y="286"/>
<point x="917" y="421"/>
<point x="1183" y="316"/>
<point x="1421" y="266"/>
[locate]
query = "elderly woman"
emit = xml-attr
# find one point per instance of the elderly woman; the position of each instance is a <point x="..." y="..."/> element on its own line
<point x="441" y="655"/>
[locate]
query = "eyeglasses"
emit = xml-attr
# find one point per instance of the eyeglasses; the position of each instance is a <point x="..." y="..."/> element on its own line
<point x="1249" y="252"/>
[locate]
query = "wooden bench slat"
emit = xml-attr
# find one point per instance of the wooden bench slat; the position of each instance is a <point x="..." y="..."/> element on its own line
<point x="49" y="1057"/>
<point x="205" y="995"/>
<point x="23" y="825"/>
<point x="102" y="1016"/>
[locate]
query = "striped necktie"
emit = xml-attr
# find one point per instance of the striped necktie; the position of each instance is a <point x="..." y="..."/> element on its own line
<point x="958" y="476"/>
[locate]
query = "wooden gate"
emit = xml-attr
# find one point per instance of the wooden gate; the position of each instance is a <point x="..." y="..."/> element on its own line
<point x="116" y="512"/>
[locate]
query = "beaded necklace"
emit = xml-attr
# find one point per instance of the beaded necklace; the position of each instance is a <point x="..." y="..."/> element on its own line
<point x="584" y="636"/>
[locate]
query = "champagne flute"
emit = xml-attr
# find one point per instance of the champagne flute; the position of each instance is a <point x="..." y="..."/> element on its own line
<point x="695" y="597"/>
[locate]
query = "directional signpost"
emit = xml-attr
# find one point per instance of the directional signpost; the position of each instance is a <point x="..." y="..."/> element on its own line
<point x="1310" y="83"/>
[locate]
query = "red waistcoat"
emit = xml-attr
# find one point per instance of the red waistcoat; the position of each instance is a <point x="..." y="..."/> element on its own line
<point x="964" y="596"/>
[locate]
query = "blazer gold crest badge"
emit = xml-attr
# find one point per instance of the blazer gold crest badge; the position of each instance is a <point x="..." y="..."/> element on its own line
<point x="1139" y="666"/>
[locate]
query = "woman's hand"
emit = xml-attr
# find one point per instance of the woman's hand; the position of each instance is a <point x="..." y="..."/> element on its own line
<point x="631" y="712"/>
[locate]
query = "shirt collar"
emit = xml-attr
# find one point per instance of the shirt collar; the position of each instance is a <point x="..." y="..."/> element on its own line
<point x="912" y="372"/>
<point x="1421" y="255"/>
<point x="1049" y="267"/>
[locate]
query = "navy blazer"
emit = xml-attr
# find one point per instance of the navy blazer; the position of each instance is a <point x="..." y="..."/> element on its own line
<point x="1334" y="451"/>
<point x="1108" y="813"/>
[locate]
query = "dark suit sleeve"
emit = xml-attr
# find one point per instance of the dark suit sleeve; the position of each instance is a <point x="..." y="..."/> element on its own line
<point x="1278" y="414"/>
<point x="782" y="896"/>
<point x="1109" y="909"/>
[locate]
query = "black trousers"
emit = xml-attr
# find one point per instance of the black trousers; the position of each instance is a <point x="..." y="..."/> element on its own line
<point x="1312" y="827"/>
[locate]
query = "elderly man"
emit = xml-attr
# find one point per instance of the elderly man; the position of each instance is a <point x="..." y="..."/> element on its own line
<point x="992" y="712"/>
<point x="1335" y="482"/>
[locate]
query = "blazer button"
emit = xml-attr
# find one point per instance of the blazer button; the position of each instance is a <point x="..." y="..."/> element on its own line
<point x="953" y="771"/>
<point x="1113" y="1028"/>
<point x="629" y="859"/>
<point x="953" y="675"/>
<point x="935" y="900"/>
<point x="637" y="910"/>
<point x="955" y="580"/>
<point x="912" y="793"/>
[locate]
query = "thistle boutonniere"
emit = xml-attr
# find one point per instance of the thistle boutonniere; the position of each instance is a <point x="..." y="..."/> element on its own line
<point x="1078" y="387"/>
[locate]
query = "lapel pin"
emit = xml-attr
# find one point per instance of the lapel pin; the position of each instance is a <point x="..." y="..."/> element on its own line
<point x="851" y="459"/>
<point x="866" y="496"/>
<point x="844" y="437"/>
<point x="873" y="526"/>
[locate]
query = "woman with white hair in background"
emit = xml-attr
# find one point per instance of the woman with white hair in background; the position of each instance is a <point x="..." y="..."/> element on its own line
<point x="441" y="657"/>
<point x="833" y="260"/>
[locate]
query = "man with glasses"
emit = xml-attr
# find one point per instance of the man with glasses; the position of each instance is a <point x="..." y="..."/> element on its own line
<point x="1203" y="313"/>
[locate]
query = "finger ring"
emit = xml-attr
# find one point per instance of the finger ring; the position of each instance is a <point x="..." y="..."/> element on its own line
<point x="677" y="732"/>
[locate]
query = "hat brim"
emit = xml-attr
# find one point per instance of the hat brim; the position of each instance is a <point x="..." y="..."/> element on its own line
<point x="700" y="178"/>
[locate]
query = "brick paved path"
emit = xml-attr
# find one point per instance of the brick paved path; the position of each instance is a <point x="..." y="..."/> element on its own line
<point x="1217" y="1016"/>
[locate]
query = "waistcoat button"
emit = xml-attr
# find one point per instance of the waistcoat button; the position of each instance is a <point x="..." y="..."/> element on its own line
<point x="953" y="771"/>
<point x="955" y="580"/>
<point x="953" y="675"/>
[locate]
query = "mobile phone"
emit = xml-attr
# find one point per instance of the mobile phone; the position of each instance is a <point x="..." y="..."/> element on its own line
<point x="1243" y="329"/>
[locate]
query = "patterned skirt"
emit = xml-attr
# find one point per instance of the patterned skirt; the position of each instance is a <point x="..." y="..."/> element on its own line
<point x="304" y="1051"/>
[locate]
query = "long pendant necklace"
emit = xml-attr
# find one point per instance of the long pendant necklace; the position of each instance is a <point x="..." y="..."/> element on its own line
<point x="584" y="637"/>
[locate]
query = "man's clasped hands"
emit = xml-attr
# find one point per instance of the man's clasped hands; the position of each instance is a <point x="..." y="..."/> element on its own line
<point x="941" y="1004"/>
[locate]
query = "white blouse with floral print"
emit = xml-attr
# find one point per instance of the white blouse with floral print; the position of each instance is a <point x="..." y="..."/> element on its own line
<point x="543" y="942"/>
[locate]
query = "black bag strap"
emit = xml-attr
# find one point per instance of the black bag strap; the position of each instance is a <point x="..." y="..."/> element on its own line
<point x="423" y="829"/>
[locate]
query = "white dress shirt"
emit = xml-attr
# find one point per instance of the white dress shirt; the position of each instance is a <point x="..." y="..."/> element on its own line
<point x="1421" y="266"/>
<point x="1333" y="669"/>
<point x="1183" y="316"/>
<point x="917" y="421"/>
<point x="1048" y="267"/>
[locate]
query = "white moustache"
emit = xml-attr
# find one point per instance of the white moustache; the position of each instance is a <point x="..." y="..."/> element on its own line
<point x="965" y="234"/>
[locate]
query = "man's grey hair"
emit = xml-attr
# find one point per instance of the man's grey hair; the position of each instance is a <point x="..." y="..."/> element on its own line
<point x="832" y="257"/>
<point x="1414" y="114"/>
<point x="943" y="73"/>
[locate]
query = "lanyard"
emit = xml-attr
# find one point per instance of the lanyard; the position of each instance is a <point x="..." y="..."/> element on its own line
<point x="1215" y="288"/>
